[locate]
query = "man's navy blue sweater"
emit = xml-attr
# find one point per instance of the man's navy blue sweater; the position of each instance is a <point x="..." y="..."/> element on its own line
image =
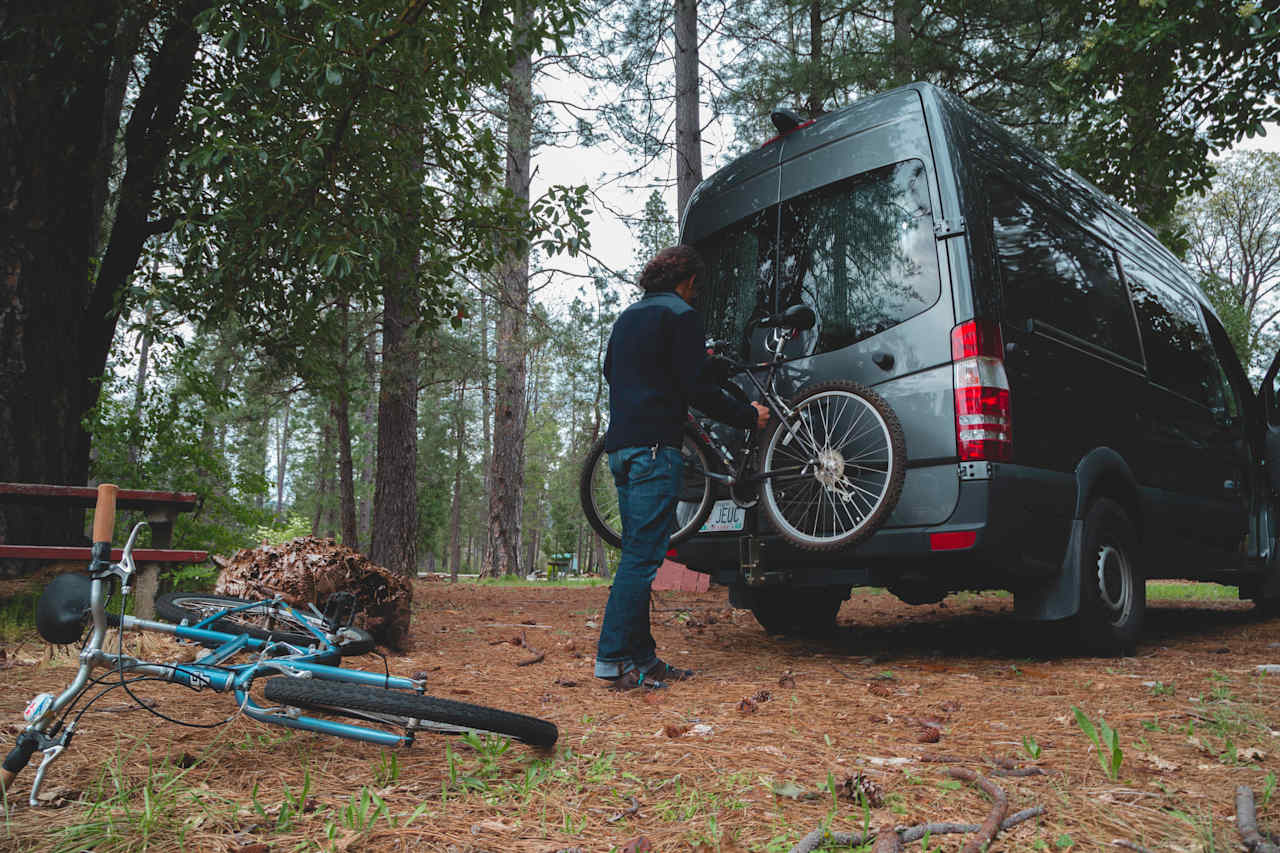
<point x="655" y="370"/>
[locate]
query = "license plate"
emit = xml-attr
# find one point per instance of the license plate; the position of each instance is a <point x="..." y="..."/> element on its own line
<point x="726" y="516"/>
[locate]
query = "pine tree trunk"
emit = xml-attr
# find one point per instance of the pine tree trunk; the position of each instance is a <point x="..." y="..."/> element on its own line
<point x="342" y="417"/>
<point x="904" y="11"/>
<point x="688" y="123"/>
<point x="369" y="420"/>
<point x="394" y="538"/>
<point x="486" y="544"/>
<point x="816" y="64"/>
<point x="506" y="493"/>
<point x="140" y="381"/>
<point x="282" y="459"/>
<point x="346" y="483"/>
<point x="455" y="513"/>
<point x="324" y="475"/>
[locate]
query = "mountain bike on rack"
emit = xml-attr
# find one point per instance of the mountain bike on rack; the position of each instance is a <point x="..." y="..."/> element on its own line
<point x="293" y="653"/>
<point x="828" y="467"/>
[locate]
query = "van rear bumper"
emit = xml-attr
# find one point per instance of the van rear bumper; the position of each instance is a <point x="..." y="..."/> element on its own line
<point x="1020" y="518"/>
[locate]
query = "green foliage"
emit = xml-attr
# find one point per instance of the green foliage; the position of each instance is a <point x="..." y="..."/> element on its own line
<point x="657" y="228"/>
<point x="1232" y="236"/>
<point x="168" y="443"/>
<point x="1158" y="86"/>
<point x="309" y="133"/>
<point x="278" y="533"/>
<point x="1105" y="739"/>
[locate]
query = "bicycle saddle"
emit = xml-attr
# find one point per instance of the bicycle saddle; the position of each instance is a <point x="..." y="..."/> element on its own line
<point x="62" y="608"/>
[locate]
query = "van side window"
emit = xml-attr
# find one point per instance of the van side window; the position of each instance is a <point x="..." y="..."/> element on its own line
<point x="861" y="252"/>
<point x="1179" y="354"/>
<point x="1059" y="275"/>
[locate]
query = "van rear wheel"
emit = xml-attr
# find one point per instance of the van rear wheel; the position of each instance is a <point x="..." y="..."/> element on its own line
<point x="1113" y="590"/>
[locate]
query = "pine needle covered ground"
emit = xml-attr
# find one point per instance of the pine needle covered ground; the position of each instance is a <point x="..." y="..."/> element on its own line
<point x="775" y="737"/>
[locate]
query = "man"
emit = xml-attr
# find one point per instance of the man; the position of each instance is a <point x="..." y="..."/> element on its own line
<point x="654" y="368"/>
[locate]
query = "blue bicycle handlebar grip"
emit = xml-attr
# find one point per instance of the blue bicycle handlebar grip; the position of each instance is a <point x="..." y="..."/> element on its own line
<point x="18" y="758"/>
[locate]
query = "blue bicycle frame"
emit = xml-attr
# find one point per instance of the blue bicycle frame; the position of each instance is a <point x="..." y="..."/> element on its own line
<point x="211" y="671"/>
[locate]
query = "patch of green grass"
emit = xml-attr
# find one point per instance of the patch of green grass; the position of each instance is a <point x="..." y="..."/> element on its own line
<point x="515" y="580"/>
<point x="1191" y="591"/>
<point x="18" y="616"/>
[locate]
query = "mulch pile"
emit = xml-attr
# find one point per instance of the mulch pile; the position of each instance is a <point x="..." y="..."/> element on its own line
<point x="308" y="570"/>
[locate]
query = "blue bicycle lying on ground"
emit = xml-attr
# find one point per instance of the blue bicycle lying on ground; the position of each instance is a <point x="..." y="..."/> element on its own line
<point x="299" y="651"/>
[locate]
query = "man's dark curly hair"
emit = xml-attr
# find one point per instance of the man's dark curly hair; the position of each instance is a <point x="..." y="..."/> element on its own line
<point x="670" y="267"/>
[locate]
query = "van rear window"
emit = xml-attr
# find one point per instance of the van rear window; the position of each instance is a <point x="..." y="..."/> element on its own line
<point x="860" y="251"/>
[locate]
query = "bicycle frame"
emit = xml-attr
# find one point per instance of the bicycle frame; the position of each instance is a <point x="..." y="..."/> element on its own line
<point x="778" y="408"/>
<point x="44" y="732"/>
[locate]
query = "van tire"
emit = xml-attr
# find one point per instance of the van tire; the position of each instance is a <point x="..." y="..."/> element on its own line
<point x="798" y="611"/>
<point x="1113" y="591"/>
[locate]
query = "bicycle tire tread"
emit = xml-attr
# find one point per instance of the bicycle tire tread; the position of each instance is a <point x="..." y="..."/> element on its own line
<point x="893" y="488"/>
<point x="334" y="695"/>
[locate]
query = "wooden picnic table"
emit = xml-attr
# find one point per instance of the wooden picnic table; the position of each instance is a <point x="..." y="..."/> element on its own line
<point x="161" y="509"/>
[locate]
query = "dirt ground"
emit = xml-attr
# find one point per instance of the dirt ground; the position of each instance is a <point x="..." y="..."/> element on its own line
<point x="765" y="745"/>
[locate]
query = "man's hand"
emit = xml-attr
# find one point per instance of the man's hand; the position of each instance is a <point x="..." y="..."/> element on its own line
<point x="762" y="415"/>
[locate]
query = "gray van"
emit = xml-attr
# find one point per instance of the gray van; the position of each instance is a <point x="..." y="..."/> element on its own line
<point x="1076" y="420"/>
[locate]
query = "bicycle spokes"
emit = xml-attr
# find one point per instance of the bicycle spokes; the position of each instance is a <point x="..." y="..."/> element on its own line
<point x="829" y="470"/>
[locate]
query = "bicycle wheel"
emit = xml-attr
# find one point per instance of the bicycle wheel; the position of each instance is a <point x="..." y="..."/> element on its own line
<point x="263" y="621"/>
<point x="410" y="710"/>
<point x="599" y="495"/>
<point x="834" y="472"/>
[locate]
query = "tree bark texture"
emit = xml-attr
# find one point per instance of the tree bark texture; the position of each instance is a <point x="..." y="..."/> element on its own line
<point x="346" y="483"/>
<point x="55" y="327"/>
<point x="816" y="63"/>
<point x="324" y="476"/>
<point x="455" y="513"/>
<point x="369" y="420"/>
<point x="486" y="410"/>
<point x="506" y="486"/>
<point x="140" y="381"/>
<point x="904" y="12"/>
<point x="282" y="459"/>
<point x="342" y="419"/>
<point x="688" y="123"/>
<point x="394" y="537"/>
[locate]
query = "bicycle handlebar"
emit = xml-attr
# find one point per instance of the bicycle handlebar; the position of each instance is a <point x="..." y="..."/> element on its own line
<point x="18" y="758"/>
<point x="104" y="515"/>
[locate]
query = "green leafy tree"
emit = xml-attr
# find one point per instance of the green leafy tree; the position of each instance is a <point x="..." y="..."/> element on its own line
<point x="656" y="229"/>
<point x="1233" y="241"/>
<point x="1159" y="86"/>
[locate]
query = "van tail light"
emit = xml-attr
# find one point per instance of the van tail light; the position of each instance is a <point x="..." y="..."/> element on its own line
<point x="984" y="423"/>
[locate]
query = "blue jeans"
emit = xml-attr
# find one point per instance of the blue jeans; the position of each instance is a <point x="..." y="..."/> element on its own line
<point x="648" y="486"/>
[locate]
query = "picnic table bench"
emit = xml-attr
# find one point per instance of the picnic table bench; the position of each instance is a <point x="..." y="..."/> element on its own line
<point x="161" y="509"/>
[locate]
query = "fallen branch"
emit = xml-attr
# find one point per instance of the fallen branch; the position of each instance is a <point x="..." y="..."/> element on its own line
<point x="887" y="840"/>
<point x="1247" y="823"/>
<point x="908" y="834"/>
<point x="998" y="810"/>
<point x="1129" y="845"/>
<point x="634" y="808"/>
<point x="523" y="642"/>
